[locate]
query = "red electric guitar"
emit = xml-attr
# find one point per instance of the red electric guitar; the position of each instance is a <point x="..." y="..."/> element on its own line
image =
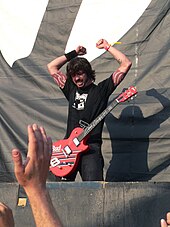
<point x="66" y="153"/>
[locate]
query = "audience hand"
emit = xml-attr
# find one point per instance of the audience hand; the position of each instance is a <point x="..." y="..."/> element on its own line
<point x="166" y="223"/>
<point x="6" y="216"/>
<point x="33" y="173"/>
<point x="32" y="176"/>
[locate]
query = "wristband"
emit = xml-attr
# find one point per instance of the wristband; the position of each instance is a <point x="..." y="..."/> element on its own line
<point x="71" y="55"/>
<point x="107" y="47"/>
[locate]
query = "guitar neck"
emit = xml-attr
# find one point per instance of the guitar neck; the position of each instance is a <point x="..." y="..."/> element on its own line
<point x="95" y="122"/>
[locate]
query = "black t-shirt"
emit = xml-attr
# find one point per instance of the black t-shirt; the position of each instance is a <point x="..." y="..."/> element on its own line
<point x="86" y="104"/>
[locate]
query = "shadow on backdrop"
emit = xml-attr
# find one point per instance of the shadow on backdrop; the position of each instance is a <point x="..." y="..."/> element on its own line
<point x="129" y="136"/>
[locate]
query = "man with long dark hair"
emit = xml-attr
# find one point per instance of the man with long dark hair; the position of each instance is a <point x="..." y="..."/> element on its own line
<point x="87" y="100"/>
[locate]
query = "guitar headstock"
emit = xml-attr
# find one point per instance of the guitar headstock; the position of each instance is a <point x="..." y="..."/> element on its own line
<point x="127" y="94"/>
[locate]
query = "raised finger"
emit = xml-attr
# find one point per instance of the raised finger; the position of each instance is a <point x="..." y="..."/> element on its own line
<point x="45" y="141"/>
<point x="18" y="165"/>
<point x="47" y="144"/>
<point x="32" y="143"/>
<point x="40" y="142"/>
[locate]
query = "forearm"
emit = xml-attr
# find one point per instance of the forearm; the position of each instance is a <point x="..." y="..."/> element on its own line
<point x="56" y="64"/>
<point x="42" y="208"/>
<point x="121" y="58"/>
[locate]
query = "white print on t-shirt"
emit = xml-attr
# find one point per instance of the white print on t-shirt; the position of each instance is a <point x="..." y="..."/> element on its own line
<point x="80" y="101"/>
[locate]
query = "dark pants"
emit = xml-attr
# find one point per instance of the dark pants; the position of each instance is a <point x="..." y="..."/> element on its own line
<point x="90" y="165"/>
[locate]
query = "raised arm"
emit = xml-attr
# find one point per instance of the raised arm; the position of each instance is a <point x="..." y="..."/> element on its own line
<point x="55" y="65"/>
<point x="32" y="176"/>
<point x="124" y="62"/>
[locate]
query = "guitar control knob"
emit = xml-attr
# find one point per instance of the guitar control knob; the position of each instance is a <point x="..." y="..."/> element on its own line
<point x="60" y="167"/>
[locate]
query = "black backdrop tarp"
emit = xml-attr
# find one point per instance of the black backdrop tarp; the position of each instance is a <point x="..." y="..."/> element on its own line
<point x="136" y="137"/>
